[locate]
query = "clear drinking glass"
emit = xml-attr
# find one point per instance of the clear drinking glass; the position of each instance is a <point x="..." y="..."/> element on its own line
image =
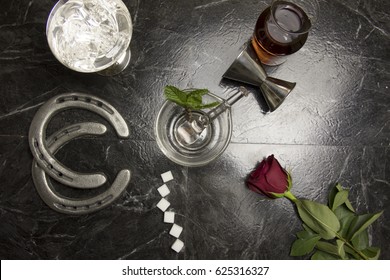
<point x="282" y="29"/>
<point x="210" y="144"/>
<point x="90" y="35"/>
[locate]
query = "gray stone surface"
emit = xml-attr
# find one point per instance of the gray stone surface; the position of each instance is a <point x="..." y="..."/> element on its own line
<point x="334" y="127"/>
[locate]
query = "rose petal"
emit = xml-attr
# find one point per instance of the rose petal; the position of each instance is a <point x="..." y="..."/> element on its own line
<point x="276" y="177"/>
<point x="259" y="170"/>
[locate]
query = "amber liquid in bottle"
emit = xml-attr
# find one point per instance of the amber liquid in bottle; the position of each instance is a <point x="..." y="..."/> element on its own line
<point x="279" y="35"/>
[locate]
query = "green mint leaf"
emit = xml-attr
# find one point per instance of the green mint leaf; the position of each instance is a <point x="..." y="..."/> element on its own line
<point x="197" y="92"/>
<point x="360" y="223"/>
<point x="319" y="218"/>
<point x="176" y="95"/>
<point x="189" y="99"/>
<point x="195" y="97"/>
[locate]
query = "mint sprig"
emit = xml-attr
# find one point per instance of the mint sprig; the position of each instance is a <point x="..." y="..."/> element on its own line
<point x="190" y="99"/>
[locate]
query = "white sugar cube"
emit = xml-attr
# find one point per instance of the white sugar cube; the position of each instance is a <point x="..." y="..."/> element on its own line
<point x="163" y="204"/>
<point x="177" y="245"/>
<point x="169" y="217"/>
<point x="167" y="176"/>
<point x="163" y="190"/>
<point x="176" y="230"/>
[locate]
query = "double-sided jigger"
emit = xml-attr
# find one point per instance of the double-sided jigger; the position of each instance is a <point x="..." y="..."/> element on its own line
<point x="247" y="68"/>
<point x="44" y="149"/>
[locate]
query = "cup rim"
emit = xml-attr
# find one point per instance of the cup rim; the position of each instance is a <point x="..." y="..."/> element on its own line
<point x="54" y="10"/>
<point x="184" y="162"/>
<point x="312" y="19"/>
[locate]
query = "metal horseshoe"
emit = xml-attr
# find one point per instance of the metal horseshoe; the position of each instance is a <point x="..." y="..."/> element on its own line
<point x="76" y="206"/>
<point x="37" y="136"/>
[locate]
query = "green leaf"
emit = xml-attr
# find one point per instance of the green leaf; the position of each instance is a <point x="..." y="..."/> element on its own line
<point x="175" y="95"/>
<point x="194" y="100"/>
<point x="334" y="203"/>
<point x="307" y="228"/>
<point x="197" y="92"/>
<point x="352" y="253"/>
<point x="340" y="198"/>
<point x="327" y="247"/>
<point x="194" y="97"/>
<point x="372" y="253"/>
<point x="361" y="241"/>
<point x="360" y="223"/>
<point x="289" y="181"/>
<point x="349" y="206"/>
<point x="303" y="234"/>
<point x="340" y="248"/>
<point x="320" y="255"/>
<point x="302" y="247"/>
<point x="344" y="226"/>
<point x="319" y="218"/>
<point x="189" y="99"/>
<point x="345" y="217"/>
<point x="333" y="193"/>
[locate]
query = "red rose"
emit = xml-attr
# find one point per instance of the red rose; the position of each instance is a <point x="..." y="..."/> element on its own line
<point x="269" y="178"/>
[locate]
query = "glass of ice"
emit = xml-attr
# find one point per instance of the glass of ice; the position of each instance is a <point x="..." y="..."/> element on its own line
<point x="91" y="35"/>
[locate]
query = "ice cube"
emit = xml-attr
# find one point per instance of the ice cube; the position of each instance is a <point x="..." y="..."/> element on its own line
<point x="177" y="245"/>
<point x="163" y="190"/>
<point x="169" y="217"/>
<point x="163" y="204"/>
<point x="167" y="176"/>
<point x="176" y="230"/>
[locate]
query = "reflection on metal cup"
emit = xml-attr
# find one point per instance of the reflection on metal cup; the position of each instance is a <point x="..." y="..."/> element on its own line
<point x="246" y="68"/>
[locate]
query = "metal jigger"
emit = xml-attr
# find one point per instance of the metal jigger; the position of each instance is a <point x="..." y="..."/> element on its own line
<point x="247" y="68"/>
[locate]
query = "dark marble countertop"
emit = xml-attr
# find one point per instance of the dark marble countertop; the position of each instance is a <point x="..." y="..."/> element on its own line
<point x="334" y="127"/>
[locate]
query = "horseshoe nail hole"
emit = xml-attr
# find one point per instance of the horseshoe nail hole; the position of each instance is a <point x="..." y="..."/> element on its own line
<point x="60" y="100"/>
<point x="88" y="99"/>
<point x="75" y="98"/>
<point x="55" y="139"/>
<point x="100" y="104"/>
<point x="60" y="174"/>
<point x="36" y="144"/>
<point x="50" y="166"/>
<point x="41" y="156"/>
